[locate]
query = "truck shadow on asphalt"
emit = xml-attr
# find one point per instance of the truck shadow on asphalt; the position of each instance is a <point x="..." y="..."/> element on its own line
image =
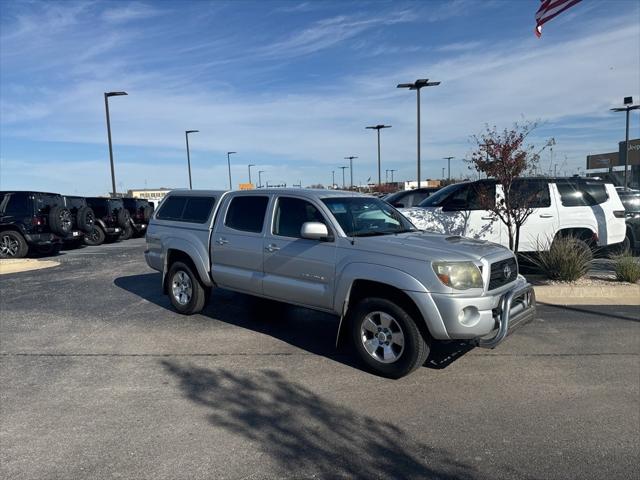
<point x="307" y="329"/>
<point x="306" y="435"/>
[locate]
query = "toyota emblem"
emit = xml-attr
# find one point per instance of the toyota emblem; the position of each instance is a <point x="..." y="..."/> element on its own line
<point x="506" y="271"/>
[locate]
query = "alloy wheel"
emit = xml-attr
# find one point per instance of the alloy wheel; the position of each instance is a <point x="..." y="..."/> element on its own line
<point x="181" y="287"/>
<point x="382" y="337"/>
<point x="9" y="246"/>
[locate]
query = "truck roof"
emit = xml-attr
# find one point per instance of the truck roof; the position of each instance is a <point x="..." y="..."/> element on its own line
<point x="303" y="192"/>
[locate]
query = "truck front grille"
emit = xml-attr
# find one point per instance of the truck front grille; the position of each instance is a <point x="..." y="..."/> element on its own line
<point x="503" y="272"/>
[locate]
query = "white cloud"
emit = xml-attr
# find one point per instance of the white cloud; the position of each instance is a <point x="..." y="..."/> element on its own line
<point x="126" y="12"/>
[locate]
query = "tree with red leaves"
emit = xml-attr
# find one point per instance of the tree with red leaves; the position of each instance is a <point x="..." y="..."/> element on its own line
<point x="506" y="157"/>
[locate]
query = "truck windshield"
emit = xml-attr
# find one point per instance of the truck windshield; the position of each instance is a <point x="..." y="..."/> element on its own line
<point x="436" y="199"/>
<point x="366" y="217"/>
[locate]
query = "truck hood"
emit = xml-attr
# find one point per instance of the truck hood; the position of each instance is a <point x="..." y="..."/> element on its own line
<point x="431" y="246"/>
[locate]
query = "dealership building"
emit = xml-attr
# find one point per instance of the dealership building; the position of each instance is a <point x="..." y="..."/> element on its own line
<point x="610" y="166"/>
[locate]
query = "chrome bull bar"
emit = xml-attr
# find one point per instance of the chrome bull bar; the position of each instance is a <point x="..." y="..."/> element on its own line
<point x="517" y="308"/>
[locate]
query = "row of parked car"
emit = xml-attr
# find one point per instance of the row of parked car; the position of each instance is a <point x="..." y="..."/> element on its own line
<point x="595" y="212"/>
<point x="42" y="223"/>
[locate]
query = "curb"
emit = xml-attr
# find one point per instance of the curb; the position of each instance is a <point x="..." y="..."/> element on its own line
<point x="16" y="265"/>
<point x="621" y="294"/>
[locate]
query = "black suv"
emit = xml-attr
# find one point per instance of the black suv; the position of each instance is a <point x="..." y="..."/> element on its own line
<point x="140" y="212"/>
<point x="32" y="219"/>
<point x="83" y="219"/>
<point x="631" y="201"/>
<point x="110" y="219"/>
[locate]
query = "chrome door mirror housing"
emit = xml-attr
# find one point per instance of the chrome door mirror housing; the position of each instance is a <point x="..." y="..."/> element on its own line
<point x="315" y="231"/>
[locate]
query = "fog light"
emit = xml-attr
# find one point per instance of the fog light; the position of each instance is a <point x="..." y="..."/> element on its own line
<point x="469" y="316"/>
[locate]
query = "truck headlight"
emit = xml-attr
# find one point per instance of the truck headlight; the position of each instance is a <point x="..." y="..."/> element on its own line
<point x="459" y="275"/>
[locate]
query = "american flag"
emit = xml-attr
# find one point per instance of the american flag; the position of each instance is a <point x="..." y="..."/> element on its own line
<point x="549" y="9"/>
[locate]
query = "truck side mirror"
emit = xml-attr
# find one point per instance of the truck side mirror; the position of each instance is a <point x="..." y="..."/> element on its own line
<point x="314" y="231"/>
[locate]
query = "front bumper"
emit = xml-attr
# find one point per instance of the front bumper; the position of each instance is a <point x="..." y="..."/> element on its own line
<point x="113" y="230"/>
<point x="74" y="236"/>
<point x="140" y="227"/>
<point x="517" y="308"/>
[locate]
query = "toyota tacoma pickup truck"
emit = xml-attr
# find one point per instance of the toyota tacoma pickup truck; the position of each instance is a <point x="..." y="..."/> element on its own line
<point x="396" y="289"/>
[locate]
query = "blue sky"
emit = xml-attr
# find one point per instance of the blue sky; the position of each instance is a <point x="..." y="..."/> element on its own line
<point x="291" y="85"/>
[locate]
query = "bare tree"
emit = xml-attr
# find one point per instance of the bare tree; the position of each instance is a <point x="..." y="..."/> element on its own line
<point x="505" y="156"/>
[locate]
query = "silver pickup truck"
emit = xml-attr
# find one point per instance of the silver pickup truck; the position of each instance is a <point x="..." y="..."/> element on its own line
<point x="396" y="289"/>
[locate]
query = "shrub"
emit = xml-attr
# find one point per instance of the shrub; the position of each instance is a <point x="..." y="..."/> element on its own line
<point x="567" y="259"/>
<point x="627" y="268"/>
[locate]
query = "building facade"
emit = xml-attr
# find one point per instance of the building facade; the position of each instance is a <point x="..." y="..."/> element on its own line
<point x="152" y="194"/>
<point x="610" y="166"/>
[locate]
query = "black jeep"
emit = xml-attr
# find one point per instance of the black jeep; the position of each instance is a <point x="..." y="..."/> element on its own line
<point x="32" y="219"/>
<point x="140" y="212"/>
<point x="110" y="219"/>
<point x="83" y="219"/>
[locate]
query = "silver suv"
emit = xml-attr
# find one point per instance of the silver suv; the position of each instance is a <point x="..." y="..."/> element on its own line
<point x="395" y="288"/>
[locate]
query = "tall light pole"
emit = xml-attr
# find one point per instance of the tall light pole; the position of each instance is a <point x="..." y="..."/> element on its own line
<point x="448" y="159"/>
<point x="260" y="172"/>
<point x="350" y="169"/>
<point x="333" y="179"/>
<point x="628" y="106"/>
<point x="417" y="86"/>
<point x="186" y="137"/>
<point x="343" y="176"/>
<point x="378" y="128"/>
<point x="106" y="108"/>
<point x="250" y="165"/>
<point x="229" y="165"/>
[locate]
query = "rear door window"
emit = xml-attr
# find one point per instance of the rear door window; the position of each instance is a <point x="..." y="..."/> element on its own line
<point x="246" y="213"/>
<point x="172" y="208"/>
<point x="530" y="194"/>
<point x="18" y="204"/>
<point x="472" y="196"/>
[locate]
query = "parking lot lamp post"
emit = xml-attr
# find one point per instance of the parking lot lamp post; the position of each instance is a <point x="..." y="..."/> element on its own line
<point x="229" y="165"/>
<point x="343" y="185"/>
<point x="186" y="137"/>
<point x="350" y="169"/>
<point x="333" y="179"/>
<point x="448" y="159"/>
<point x="250" y="165"/>
<point x="378" y="128"/>
<point x="417" y="86"/>
<point x="260" y="172"/>
<point x="628" y="106"/>
<point x="106" y="108"/>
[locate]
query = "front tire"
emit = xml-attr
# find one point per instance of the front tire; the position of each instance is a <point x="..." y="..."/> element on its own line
<point x="187" y="294"/>
<point x="386" y="338"/>
<point x="127" y="232"/>
<point x="13" y="245"/>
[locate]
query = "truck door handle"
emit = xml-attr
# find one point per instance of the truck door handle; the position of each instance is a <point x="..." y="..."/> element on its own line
<point x="546" y="215"/>
<point x="222" y="241"/>
<point x="272" y="248"/>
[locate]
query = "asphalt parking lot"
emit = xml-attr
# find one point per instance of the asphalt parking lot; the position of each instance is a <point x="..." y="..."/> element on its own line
<point x="101" y="379"/>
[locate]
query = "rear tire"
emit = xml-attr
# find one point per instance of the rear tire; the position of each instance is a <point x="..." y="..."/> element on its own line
<point x="127" y="232"/>
<point x="386" y="338"/>
<point x="95" y="237"/>
<point x="187" y="294"/>
<point x="13" y="245"/>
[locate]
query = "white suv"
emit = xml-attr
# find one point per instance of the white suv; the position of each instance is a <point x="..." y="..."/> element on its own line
<point x="586" y="209"/>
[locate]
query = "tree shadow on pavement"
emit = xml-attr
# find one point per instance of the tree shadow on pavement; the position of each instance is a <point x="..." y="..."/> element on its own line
<point x="310" y="330"/>
<point x="306" y="435"/>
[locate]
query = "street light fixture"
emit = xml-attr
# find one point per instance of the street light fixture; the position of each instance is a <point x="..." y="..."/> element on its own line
<point x="417" y="86"/>
<point x="260" y="172"/>
<point x="350" y="169"/>
<point x="186" y="137"/>
<point x="448" y="159"/>
<point x="378" y="128"/>
<point x="250" y="165"/>
<point x="628" y="102"/>
<point x="106" y="108"/>
<point x="343" y="185"/>
<point x="229" y="165"/>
